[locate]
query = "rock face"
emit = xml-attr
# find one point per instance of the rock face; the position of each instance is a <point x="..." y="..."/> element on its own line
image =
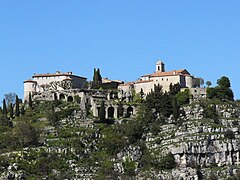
<point x="200" y="143"/>
<point x="201" y="147"/>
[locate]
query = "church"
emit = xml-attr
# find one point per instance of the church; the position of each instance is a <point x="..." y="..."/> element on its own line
<point x="164" y="78"/>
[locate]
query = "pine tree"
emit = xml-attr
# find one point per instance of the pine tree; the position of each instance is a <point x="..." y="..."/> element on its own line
<point x="102" y="112"/>
<point x="4" y="112"/>
<point x="11" y="110"/>
<point x="17" y="112"/>
<point x="30" y="101"/>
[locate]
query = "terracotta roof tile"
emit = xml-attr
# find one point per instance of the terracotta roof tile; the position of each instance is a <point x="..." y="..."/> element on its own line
<point x="139" y="82"/>
<point x="169" y="73"/>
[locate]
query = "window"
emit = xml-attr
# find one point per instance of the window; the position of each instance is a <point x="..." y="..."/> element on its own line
<point x="162" y="79"/>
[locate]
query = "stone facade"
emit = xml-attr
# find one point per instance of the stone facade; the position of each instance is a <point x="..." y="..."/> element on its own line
<point x="147" y="82"/>
<point x="52" y="82"/>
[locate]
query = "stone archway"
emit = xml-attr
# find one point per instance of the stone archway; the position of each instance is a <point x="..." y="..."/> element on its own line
<point x="69" y="99"/>
<point x="129" y="111"/>
<point x="62" y="97"/>
<point x="111" y="112"/>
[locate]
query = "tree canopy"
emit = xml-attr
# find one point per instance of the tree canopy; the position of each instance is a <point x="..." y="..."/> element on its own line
<point x="97" y="79"/>
<point x="222" y="91"/>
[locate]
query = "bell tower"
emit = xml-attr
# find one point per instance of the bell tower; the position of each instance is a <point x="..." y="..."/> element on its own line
<point x="160" y="66"/>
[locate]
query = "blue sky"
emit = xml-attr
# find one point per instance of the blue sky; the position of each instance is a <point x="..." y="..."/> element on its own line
<point x="124" y="38"/>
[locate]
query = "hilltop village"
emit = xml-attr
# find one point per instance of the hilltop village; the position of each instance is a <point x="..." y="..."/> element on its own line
<point x="164" y="125"/>
<point x="70" y="87"/>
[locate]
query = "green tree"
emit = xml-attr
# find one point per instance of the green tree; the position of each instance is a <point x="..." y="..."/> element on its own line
<point x="22" y="110"/>
<point x="174" y="89"/>
<point x="208" y="83"/>
<point x="176" y="108"/>
<point x="183" y="97"/>
<point x="102" y="112"/>
<point x="4" y="112"/>
<point x="224" y="82"/>
<point x="26" y="134"/>
<point x="30" y="103"/>
<point x="168" y="161"/>
<point x="222" y="91"/>
<point x="199" y="82"/>
<point x="97" y="79"/>
<point x="141" y="94"/>
<point x="17" y="112"/>
<point x="120" y="110"/>
<point x="159" y="101"/>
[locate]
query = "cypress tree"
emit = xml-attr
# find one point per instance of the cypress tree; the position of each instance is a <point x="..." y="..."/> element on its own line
<point x="17" y="112"/>
<point x="4" y="112"/>
<point x="99" y="76"/>
<point x="141" y="94"/>
<point x="11" y="110"/>
<point x="120" y="110"/>
<point x="22" y="110"/>
<point x="102" y="112"/>
<point x="175" y="107"/>
<point x="30" y="100"/>
<point x="97" y="79"/>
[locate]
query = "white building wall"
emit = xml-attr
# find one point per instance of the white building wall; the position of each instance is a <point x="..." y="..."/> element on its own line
<point x="29" y="87"/>
<point x="77" y="82"/>
<point x="146" y="86"/>
<point x="165" y="81"/>
<point x="47" y="80"/>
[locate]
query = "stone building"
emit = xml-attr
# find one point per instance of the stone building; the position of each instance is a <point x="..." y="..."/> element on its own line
<point x="52" y="82"/>
<point x="163" y="78"/>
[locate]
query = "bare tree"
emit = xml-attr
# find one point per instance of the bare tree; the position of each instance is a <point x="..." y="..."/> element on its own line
<point x="10" y="98"/>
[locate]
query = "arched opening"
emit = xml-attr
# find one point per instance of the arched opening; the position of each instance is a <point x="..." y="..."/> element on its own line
<point x="70" y="99"/>
<point x="98" y="111"/>
<point x="62" y="97"/>
<point x="55" y="98"/>
<point x="129" y="111"/>
<point x="110" y="112"/>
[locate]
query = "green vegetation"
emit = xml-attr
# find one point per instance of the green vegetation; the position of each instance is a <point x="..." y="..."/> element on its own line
<point x="45" y="144"/>
<point x="222" y="91"/>
<point x="97" y="79"/>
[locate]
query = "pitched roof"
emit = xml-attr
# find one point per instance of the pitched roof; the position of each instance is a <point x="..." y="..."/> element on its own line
<point x="183" y="72"/>
<point x="139" y="82"/>
<point x="56" y="74"/>
<point x="29" y="81"/>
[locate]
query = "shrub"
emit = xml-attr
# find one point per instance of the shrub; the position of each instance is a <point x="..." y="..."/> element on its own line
<point x="167" y="162"/>
<point x="212" y="177"/>
<point x="229" y="134"/>
<point x="129" y="167"/>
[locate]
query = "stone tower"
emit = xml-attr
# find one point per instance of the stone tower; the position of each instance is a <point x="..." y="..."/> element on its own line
<point x="160" y="66"/>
